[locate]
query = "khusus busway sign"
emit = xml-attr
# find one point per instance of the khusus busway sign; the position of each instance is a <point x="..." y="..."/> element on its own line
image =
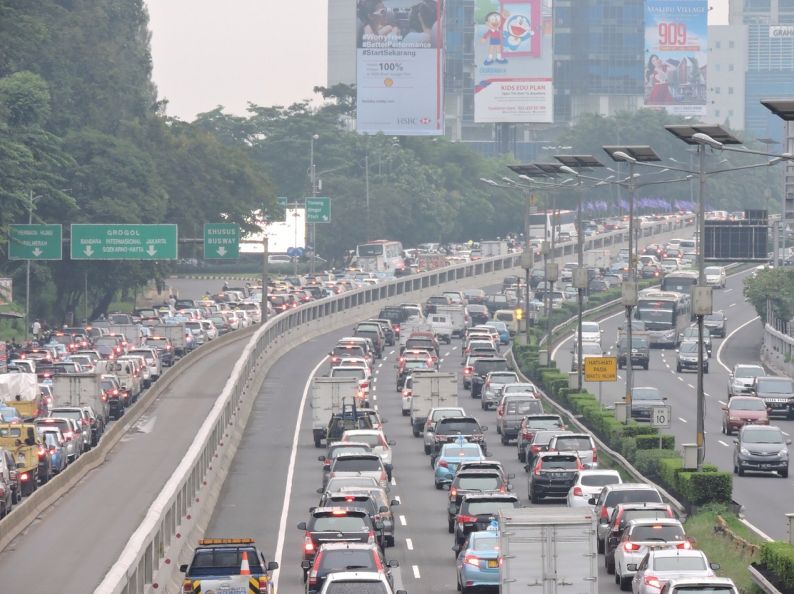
<point x="221" y="241"/>
<point x="124" y="242"/>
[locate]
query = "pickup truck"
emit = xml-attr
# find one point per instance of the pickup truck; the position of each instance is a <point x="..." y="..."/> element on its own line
<point x="229" y="565"/>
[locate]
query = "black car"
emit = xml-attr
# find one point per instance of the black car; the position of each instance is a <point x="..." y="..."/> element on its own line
<point x="334" y="524"/>
<point x="643" y="400"/>
<point x="640" y="352"/>
<point x="478" y="510"/>
<point x="478" y="314"/>
<point x="367" y="502"/>
<point x="342" y="556"/>
<point x="717" y="323"/>
<point x="482" y="367"/>
<point x="552" y="475"/>
<point x="472" y="481"/>
<point x="450" y="429"/>
<point x="494" y="302"/>
<point x="396" y="315"/>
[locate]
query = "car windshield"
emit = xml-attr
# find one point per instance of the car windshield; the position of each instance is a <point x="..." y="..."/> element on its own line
<point x="339" y="523"/>
<point x="573" y="443"/>
<point x="747" y="404"/>
<point x="761" y="436"/>
<point x="445" y="414"/>
<point x="223" y="561"/>
<point x="486" y="543"/>
<point x="660" y="532"/>
<point x="599" y="480"/>
<point x="547" y="423"/>
<point x="486" y="365"/>
<point x="350" y="501"/>
<point x="749" y="371"/>
<point x="348" y="351"/>
<point x="461" y="451"/>
<point x="459" y="426"/>
<point x="358" y="449"/>
<point x="776" y="386"/>
<point x="704" y="589"/>
<point x="713" y="270"/>
<point x="478" y="483"/>
<point x="590" y="349"/>
<point x="491" y="508"/>
<point x="503" y="378"/>
<point x="357" y="464"/>
<point x="632" y="496"/>
<point x="559" y="462"/>
<point x="645" y="394"/>
<point x="519" y="388"/>
<point x="714" y="317"/>
<point x="524" y="407"/>
<point x="348" y="372"/>
<point x="689" y="347"/>
<point x="354" y="482"/>
<point x="371" y="439"/>
<point x="679" y="563"/>
<point x="335" y="560"/>
<point x="590" y="327"/>
<point x="356" y="587"/>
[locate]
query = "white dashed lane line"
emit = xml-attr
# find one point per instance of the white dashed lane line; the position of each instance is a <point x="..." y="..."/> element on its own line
<point x="722" y="402"/>
<point x="446" y="354"/>
<point x="393" y="481"/>
<point x="379" y="366"/>
<point x="691" y="386"/>
<point x="680" y="379"/>
<point x="417" y="575"/>
<point x="374" y="396"/>
<point x="719" y="441"/>
<point x="391" y="352"/>
<point x="409" y="544"/>
<point x="402" y="521"/>
<point x="682" y="419"/>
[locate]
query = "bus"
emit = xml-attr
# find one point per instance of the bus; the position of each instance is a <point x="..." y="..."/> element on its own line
<point x="540" y="224"/>
<point x="680" y="281"/>
<point x="665" y="313"/>
<point x="381" y="255"/>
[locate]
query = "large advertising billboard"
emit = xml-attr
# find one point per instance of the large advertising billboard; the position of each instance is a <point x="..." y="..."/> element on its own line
<point x="676" y="50"/>
<point x="400" y="67"/>
<point x="513" y="61"/>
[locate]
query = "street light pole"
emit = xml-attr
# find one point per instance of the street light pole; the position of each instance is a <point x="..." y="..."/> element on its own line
<point x="701" y="399"/>
<point x="631" y="292"/>
<point x="313" y="175"/>
<point x="31" y="203"/>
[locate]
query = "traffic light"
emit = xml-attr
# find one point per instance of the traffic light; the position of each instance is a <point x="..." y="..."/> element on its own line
<point x="519" y="313"/>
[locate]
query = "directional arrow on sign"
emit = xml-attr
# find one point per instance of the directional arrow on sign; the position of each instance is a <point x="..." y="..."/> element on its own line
<point x="88" y="251"/>
<point x="325" y="218"/>
<point x="151" y="251"/>
<point x="37" y="252"/>
<point x="221" y="251"/>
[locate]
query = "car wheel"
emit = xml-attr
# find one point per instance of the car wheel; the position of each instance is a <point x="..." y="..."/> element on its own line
<point x="417" y="433"/>
<point x="609" y="564"/>
<point x="740" y="470"/>
<point x="406" y="413"/>
<point x="625" y="583"/>
<point x="450" y="526"/>
<point x="522" y="455"/>
<point x="784" y="473"/>
<point x="437" y="484"/>
<point x="427" y="450"/>
<point x="600" y="546"/>
<point x="505" y="440"/>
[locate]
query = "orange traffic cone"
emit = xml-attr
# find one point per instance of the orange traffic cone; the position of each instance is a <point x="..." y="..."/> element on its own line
<point x="244" y="568"/>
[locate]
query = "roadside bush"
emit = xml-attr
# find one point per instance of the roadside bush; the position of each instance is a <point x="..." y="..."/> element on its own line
<point x="704" y="487"/>
<point x="778" y="558"/>
<point x="650" y="442"/>
<point x="648" y="462"/>
<point x="633" y="429"/>
<point x="668" y="472"/>
<point x="628" y="448"/>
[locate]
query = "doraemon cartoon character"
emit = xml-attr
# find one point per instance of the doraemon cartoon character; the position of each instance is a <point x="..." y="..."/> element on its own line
<point x="517" y="31"/>
<point x="494" y="23"/>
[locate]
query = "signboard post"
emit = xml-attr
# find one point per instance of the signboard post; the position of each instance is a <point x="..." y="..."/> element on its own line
<point x="124" y="242"/>
<point x="221" y="241"/>
<point x="318" y="210"/>
<point x="35" y="242"/>
<point x="660" y="418"/>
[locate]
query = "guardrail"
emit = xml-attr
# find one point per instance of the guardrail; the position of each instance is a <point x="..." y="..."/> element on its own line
<point x="148" y="559"/>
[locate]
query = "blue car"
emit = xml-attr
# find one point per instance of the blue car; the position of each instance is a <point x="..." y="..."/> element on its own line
<point x="53" y="441"/>
<point x="477" y="563"/>
<point x="502" y="329"/>
<point x="450" y="457"/>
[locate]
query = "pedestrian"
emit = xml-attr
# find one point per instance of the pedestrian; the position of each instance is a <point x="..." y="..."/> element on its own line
<point x="36" y="329"/>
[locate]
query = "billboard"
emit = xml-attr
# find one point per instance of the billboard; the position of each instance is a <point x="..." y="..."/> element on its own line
<point x="513" y="61"/>
<point x="399" y="67"/>
<point x="676" y="50"/>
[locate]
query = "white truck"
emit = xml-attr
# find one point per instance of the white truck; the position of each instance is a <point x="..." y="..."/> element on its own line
<point x="598" y="258"/>
<point x="77" y="389"/>
<point x="548" y="551"/>
<point x="21" y="390"/>
<point x="431" y="390"/>
<point x="490" y="248"/>
<point x="327" y="396"/>
<point x="458" y="315"/>
<point x="175" y="333"/>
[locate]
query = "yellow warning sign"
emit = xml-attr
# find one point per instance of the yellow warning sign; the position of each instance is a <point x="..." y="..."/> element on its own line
<point x="601" y="369"/>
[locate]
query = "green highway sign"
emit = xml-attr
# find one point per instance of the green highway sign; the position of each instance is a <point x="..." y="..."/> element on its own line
<point x="221" y="241"/>
<point x="318" y="210"/>
<point x="35" y="242"/>
<point x="124" y="242"/>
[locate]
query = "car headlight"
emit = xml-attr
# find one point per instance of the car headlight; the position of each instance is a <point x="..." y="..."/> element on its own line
<point x="744" y="451"/>
<point x="783" y="453"/>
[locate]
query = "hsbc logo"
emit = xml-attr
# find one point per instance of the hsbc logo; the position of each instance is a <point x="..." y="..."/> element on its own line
<point x="406" y="121"/>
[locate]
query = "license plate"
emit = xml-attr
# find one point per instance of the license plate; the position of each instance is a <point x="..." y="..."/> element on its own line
<point x="493" y="563"/>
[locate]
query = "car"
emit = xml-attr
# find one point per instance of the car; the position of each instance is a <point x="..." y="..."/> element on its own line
<point x="378" y="508"/>
<point x="581" y="444"/>
<point x="643" y="399"/>
<point x="10" y="475"/>
<point x="358" y="582"/>
<point x="589" y="349"/>
<point x="532" y="423"/>
<point x="494" y="380"/>
<point x="717" y="323"/>
<point x="53" y="440"/>
<point x="552" y="475"/>
<point x="502" y="328"/>
<point x="385" y="505"/>
<point x="640" y="352"/>
<point x="690" y="334"/>
<point x="743" y="410"/>
<point x="478" y="313"/>
<point x="713" y="585"/>
<point x="435" y="415"/>
<point x="478" y="511"/>
<point x="539" y="444"/>
<point x="369" y="464"/>
<point x="339" y="556"/>
<point x="450" y="429"/>
<point x="588" y="483"/>
<point x="82" y="418"/>
<point x="740" y="380"/>
<point x="688" y="357"/>
<point x="715" y="276"/>
<point x="228" y="563"/>
<point x="619" y="520"/>
<point x="777" y="393"/>
<point x="473" y="481"/>
<point x="660" y="565"/>
<point x="376" y="440"/>
<point x="337" y="447"/>
<point x="451" y="455"/>
<point x="477" y="561"/>
<point x="335" y="524"/>
<point x="484" y="366"/>
<point x="591" y="332"/>
<point x="511" y="411"/>
<point x="639" y="537"/>
<point x="761" y="449"/>
<point x="611" y="495"/>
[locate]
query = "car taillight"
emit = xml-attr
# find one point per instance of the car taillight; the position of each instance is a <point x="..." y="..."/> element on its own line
<point x="443" y="464"/>
<point x="24" y="477"/>
<point x="371" y="537"/>
<point x="453" y="493"/>
<point x="472" y="560"/>
<point x="364" y="384"/>
<point x="42" y="452"/>
<point x="684" y="545"/>
<point x="467" y="370"/>
<point x="383" y="476"/>
<point x="407" y="394"/>
<point x="463" y="519"/>
<point x="595" y="456"/>
<point x="653" y="582"/>
<point x="308" y="545"/>
<point x="577" y="491"/>
<point x="187" y="587"/>
<point x="630" y="546"/>
<point x="503" y="489"/>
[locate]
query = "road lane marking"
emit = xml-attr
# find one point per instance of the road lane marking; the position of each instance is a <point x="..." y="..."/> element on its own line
<point x="397" y="498"/>
<point x="402" y="521"/>
<point x="731" y="305"/>
<point x="374" y="396"/>
<point x="391" y="352"/>
<point x="691" y="386"/>
<point x="379" y="366"/>
<point x="282" y="526"/>
<point x="726" y="291"/>
<point x="723" y="443"/>
<point x="680" y="379"/>
<point x="375" y="406"/>
<point x="557" y="348"/>
<point x="393" y="481"/>
<point x="727" y="338"/>
<point x="409" y="544"/>
<point x="446" y="354"/>
<point x="416" y="571"/>
<point x="667" y="364"/>
<point x="722" y="402"/>
<point x="682" y="419"/>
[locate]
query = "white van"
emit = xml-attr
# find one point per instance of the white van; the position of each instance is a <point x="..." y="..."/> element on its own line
<point x="508" y="316"/>
<point x="458" y="316"/>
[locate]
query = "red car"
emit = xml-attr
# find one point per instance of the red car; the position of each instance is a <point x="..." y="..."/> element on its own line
<point x="743" y="410"/>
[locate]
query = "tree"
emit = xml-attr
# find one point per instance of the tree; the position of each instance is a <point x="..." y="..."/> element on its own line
<point x="775" y="285"/>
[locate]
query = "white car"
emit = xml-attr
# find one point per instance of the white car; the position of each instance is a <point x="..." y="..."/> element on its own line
<point x="637" y="539"/>
<point x="660" y="566"/>
<point x="362" y="374"/>
<point x="209" y="329"/>
<point x="670" y="265"/>
<point x="375" y="439"/>
<point x="588" y="484"/>
<point x="372" y="582"/>
<point x="591" y="332"/>
<point x="715" y="276"/>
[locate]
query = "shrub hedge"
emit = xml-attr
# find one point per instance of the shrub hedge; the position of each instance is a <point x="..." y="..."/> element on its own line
<point x="778" y="558"/>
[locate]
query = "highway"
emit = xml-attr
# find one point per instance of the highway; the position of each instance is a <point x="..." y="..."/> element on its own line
<point x="765" y="497"/>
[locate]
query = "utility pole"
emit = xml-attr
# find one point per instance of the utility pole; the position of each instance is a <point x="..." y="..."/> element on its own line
<point x="265" y="269"/>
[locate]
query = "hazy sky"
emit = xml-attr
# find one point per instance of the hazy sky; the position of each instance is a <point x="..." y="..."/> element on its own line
<point x="229" y="52"/>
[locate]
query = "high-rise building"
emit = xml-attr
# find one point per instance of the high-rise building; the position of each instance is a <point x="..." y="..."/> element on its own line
<point x="727" y="64"/>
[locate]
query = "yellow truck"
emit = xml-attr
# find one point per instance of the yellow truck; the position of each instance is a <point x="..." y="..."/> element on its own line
<point x="21" y="390"/>
<point x="21" y="439"/>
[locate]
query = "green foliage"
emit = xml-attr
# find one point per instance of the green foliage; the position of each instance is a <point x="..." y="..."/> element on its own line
<point x="628" y="447"/>
<point x="649" y="442"/>
<point x="778" y="557"/>
<point x="704" y="487"/>
<point x="776" y="285"/>
<point x="668" y="471"/>
<point x="25" y="99"/>
<point x="648" y="462"/>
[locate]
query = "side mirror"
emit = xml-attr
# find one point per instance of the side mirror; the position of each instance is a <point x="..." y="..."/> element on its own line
<point x="321" y="458"/>
<point x="302" y="526"/>
<point x="311" y="509"/>
<point x="591" y="501"/>
<point x="272" y="565"/>
<point x="735" y="442"/>
<point x="726" y="408"/>
<point x="714" y="566"/>
<point x="394" y="502"/>
<point x="391" y="442"/>
<point x="393" y="563"/>
<point x="306" y="565"/>
<point x="484" y="428"/>
<point x="183" y="568"/>
<point x="383" y="509"/>
<point x="378" y="525"/>
<point x="320" y="491"/>
<point x="631" y="566"/>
